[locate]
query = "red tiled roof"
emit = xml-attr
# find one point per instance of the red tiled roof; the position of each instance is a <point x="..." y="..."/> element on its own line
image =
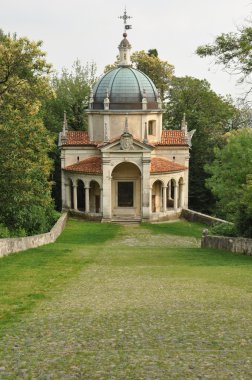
<point x="169" y="137"/>
<point x="77" y="138"/>
<point x="91" y="165"/>
<point x="173" y="137"/>
<point x="161" y="165"/>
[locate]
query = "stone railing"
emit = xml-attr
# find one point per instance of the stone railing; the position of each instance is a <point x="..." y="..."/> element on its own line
<point x="11" y="245"/>
<point x="194" y="216"/>
<point x="232" y="244"/>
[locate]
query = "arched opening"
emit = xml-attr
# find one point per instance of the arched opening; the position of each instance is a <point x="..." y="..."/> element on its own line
<point x="95" y="197"/>
<point x="71" y="194"/>
<point x="126" y="190"/>
<point x="156" y="196"/>
<point x="170" y="194"/>
<point x="80" y="195"/>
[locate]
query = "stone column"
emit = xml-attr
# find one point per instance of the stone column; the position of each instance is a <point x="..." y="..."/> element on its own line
<point x="150" y="199"/>
<point x="87" y="205"/>
<point x="169" y="190"/>
<point x="164" y="197"/>
<point x="181" y="195"/>
<point x="185" y="181"/>
<point x="175" y="196"/>
<point x="101" y="205"/>
<point x="75" y="196"/>
<point x="66" y="201"/>
<point x="106" y="199"/>
<point x="146" y="192"/>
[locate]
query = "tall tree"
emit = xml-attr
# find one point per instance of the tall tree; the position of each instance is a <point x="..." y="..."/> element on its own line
<point x="233" y="51"/>
<point x="71" y="89"/>
<point x="230" y="181"/>
<point x="210" y="115"/>
<point x="71" y="92"/>
<point x="160" y="72"/>
<point x="25" y="188"/>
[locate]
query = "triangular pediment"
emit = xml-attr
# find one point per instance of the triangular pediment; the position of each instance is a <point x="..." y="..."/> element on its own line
<point x="124" y="144"/>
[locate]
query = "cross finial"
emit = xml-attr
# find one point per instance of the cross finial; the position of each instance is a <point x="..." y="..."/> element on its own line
<point x="125" y="17"/>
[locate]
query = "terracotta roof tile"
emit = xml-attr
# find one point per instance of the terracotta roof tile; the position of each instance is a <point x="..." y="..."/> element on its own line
<point x="173" y="137"/>
<point x="161" y="165"/>
<point x="78" y="138"/>
<point x="91" y="165"/>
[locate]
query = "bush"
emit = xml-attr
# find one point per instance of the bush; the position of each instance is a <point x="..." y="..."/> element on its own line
<point x="4" y="231"/>
<point x="224" y="229"/>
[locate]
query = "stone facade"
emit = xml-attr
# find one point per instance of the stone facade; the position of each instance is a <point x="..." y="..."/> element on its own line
<point x="125" y="165"/>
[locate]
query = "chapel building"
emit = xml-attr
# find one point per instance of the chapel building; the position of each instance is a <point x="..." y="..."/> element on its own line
<point x="126" y="166"/>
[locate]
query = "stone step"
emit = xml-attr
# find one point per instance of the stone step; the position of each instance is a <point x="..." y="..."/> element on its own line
<point x="126" y="220"/>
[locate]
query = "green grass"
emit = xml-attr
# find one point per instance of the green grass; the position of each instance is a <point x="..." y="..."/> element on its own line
<point x="110" y="302"/>
<point x="179" y="228"/>
<point x="28" y="277"/>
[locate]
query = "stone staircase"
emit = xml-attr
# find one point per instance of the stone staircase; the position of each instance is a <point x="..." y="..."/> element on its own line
<point x="126" y="220"/>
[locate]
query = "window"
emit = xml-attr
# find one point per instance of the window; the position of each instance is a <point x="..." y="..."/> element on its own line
<point x="152" y="127"/>
<point x="125" y="194"/>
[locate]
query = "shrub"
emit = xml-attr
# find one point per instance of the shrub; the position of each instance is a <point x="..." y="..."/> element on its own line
<point x="224" y="229"/>
<point x="4" y="231"/>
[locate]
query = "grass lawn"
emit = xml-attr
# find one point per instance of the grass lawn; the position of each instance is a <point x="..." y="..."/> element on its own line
<point x="112" y="302"/>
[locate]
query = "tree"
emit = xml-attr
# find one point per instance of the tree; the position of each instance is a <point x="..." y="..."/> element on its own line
<point x="210" y="115"/>
<point x="25" y="188"/>
<point x="160" y="72"/>
<point x="230" y="179"/>
<point x="244" y="215"/>
<point x="233" y="50"/>
<point x="242" y="117"/>
<point x="71" y="93"/>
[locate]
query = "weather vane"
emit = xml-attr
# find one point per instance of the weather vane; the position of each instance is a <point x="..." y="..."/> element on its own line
<point x="125" y="17"/>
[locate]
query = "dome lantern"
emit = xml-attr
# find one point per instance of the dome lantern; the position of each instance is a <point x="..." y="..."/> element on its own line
<point x="124" y="50"/>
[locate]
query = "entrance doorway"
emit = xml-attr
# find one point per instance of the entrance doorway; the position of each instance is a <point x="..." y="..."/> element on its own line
<point x="126" y="190"/>
<point x="125" y="194"/>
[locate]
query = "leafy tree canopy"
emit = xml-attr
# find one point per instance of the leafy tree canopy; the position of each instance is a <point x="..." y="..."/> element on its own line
<point x="231" y="172"/>
<point x="210" y="115"/>
<point x="25" y="189"/>
<point x="23" y="71"/>
<point x="233" y="50"/>
<point x="71" y="90"/>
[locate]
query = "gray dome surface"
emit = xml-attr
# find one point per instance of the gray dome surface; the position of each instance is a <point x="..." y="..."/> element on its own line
<point x="126" y="87"/>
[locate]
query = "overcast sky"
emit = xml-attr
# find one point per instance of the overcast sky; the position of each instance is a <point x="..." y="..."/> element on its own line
<point x="91" y="31"/>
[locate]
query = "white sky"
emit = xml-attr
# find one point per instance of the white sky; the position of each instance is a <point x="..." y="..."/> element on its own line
<point x="91" y="31"/>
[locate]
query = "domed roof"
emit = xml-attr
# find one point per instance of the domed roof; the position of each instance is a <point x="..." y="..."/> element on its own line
<point x="126" y="87"/>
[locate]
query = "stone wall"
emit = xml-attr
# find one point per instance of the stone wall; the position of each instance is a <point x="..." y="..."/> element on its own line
<point x="232" y="244"/>
<point x="12" y="245"/>
<point x="194" y="216"/>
